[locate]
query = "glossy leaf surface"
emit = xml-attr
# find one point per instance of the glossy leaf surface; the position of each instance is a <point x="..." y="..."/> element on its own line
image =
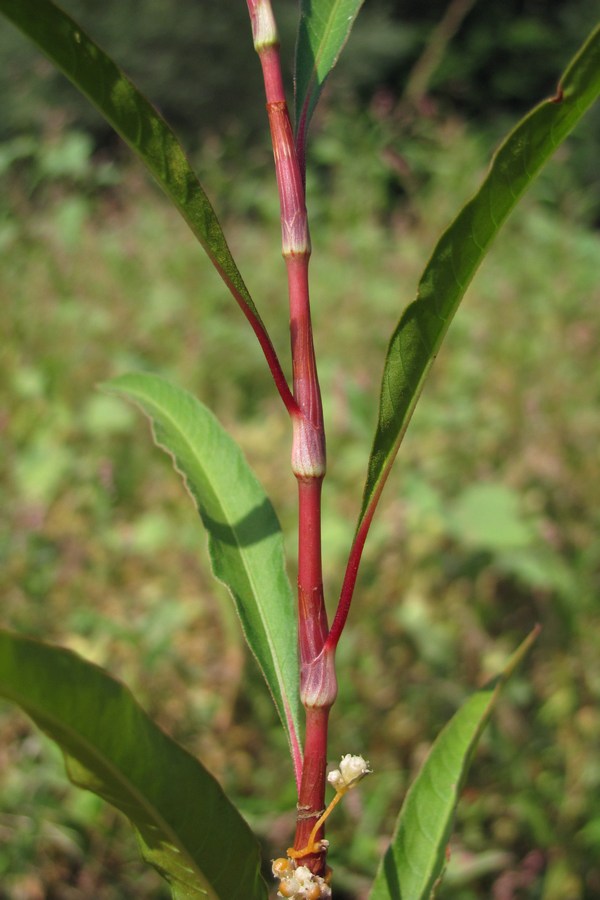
<point x="414" y="862"/>
<point x="245" y="541"/>
<point x="93" y="72"/>
<point x="187" y="827"/>
<point x="461" y="249"/>
<point x="323" y="30"/>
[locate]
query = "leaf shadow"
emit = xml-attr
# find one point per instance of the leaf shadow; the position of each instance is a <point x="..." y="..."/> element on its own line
<point x="256" y="526"/>
<point x="391" y="876"/>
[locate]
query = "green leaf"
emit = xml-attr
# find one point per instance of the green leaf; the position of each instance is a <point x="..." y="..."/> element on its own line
<point x="187" y="827"/>
<point x="135" y="120"/>
<point x="460" y="251"/>
<point x="413" y="864"/>
<point x="323" y="30"/>
<point x="245" y="542"/>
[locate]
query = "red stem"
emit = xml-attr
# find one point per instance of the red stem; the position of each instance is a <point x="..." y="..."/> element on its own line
<point x="349" y="583"/>
<point x="312" y="619"/>
<point x="351" y="573"/>
<point x="317" y="676"/>
<point x="266" y="346"/>
<point x="311" y="801"/>
<point x="317" y="679"/>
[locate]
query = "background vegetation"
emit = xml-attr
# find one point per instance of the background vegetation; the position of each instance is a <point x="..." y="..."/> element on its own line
<point x="491" y="521"/>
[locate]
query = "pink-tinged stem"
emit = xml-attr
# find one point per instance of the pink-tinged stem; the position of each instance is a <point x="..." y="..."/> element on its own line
<point x="266" y="346"/>
<point x="311" y="801"/>
<point x="349" y="583"/>
<point x="317" y="668"/>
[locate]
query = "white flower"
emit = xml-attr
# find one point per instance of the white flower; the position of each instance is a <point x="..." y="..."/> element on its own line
<point x="301" y="884"/>
<point x="289" y="887"/>
<point x="304" y="875"/>
<point x="336" y="780"/>
<point x="352" y="769"/>
<point x="282" y="867"/>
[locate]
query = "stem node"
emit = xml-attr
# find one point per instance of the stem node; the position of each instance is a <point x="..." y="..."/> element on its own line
<point x="318" y="682"/>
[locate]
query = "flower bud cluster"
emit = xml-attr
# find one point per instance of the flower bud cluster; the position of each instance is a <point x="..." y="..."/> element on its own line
<point x="298" y="882"/>
<point x="352" y="770"/>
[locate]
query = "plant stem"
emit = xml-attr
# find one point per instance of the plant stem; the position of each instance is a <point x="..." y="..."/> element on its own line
<point x="351" y="574"/>
<point x="311" y="801"/>
<point x="317" y="673"/>
<point x="265" y="344"/>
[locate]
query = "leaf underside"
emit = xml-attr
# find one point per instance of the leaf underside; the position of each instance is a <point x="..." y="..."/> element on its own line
<point x="135" y="120"/>
<point x="412" y="866"/>
<point x="323" y="30"/>
<point x="188" y="829"/>
<point x="245" y="541"/>
<point x="459" y="252"/>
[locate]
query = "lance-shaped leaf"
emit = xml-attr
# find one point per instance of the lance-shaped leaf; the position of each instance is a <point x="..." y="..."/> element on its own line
<point x="97" y="77"/>
<point x="245" y="541"/>
<point x="414" y="862"/>
<point x="323" y="30"/>
<point x="187" y="827"/>
<point x="130" y="114"/>
<point x="459" y="252"/>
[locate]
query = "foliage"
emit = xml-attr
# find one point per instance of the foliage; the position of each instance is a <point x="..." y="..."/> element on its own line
<point x="111" y="747"/>
<point x="529" y="143"/>
<point x="100" y="554"/>
<point x="186" y="68"/>
<point x="245" y="542"/>
<point x="413" y="862"/>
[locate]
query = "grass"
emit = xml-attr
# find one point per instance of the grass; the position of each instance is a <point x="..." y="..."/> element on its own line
<point x="489" y="524"/>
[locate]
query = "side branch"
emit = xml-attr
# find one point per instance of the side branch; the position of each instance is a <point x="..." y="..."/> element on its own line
<point x="267" y="348"/>
<point x="351" y="573"/>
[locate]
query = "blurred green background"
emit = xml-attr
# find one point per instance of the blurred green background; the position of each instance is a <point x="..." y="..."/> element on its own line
<point x="490" y="521"/>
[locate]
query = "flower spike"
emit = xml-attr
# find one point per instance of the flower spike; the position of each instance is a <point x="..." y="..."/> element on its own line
<point x="352" y="770"/>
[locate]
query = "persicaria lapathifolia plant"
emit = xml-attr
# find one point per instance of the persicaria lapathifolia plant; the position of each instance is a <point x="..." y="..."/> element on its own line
<point x="188" y="829"/>
<point x="318" y="687"/>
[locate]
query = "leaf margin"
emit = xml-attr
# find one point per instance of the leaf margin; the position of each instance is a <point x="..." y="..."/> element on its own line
<point x="285" y="692"/>
<point x="567" y="106"/>
<point x="36" y="675"/>
<point x="386" y="885"/>
<point x="306" y="94"/>
<point x="151" y="139"/>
